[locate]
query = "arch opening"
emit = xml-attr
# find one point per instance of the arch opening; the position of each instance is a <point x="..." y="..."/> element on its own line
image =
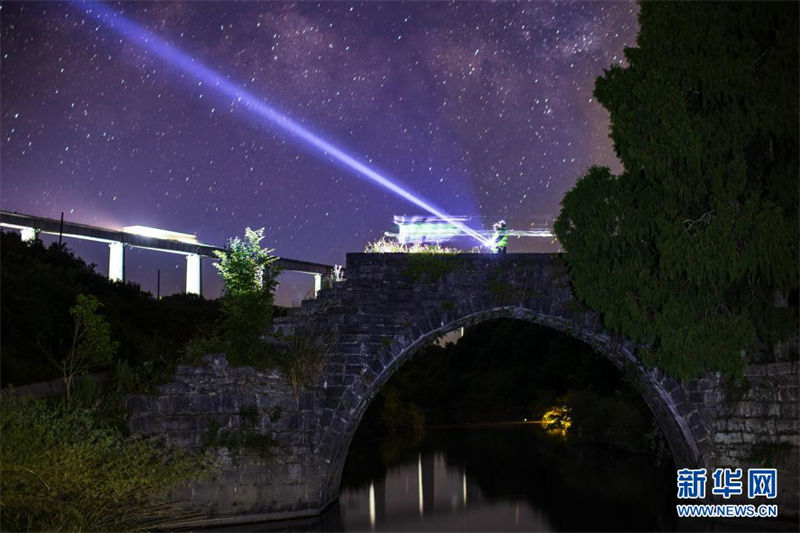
<point x="668" y="416"/>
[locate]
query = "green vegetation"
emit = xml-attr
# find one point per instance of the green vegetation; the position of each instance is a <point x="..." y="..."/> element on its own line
<point x="40" y="286"/>
<point x="692" y="250"/>
<point x="65" y="468"/>
<point x="71" y="467"/>
<point x="91" y="343"/>
<point x="249" y="280"/>
<point x="302" y="356"/>
<point x="427" y="262"/>
<point x="389" y="246"/>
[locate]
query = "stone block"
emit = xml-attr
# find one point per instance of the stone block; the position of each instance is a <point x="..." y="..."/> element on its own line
<point x="749" y="409"/>
<point x="786" y="427"/>
<point x="699" y="432"/>
<point x="757" y="426"/>
<point x="354" y="369"/>
<point x="728" y="438"/>
<point x="697" y="397"/>
<point x="170" y="405"/>
<point x="140" y="403"/>
<point x="755" y="370"/>
<point x="228" y="403"/>
<point x="180" y="424"/>
<point x="144" y="425"/>
<point x="245" y="495"/>
<point x="789" y="410"/>
<point x="338" y="424"/>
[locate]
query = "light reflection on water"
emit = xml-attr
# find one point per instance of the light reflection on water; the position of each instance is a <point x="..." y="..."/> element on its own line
<point x="502" y="477"/>
<point x="427" y="494"/>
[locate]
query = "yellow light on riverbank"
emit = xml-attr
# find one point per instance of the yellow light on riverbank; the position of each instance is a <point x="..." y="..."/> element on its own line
<point x="557" y="420"/>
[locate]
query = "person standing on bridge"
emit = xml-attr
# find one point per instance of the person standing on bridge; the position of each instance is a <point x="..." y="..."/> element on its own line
<point x="500" y="237"/>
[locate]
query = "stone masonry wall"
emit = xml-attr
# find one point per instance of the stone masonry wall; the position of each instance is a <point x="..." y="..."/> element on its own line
<point x="251" y="425"/>
<point x="390" y="306"/>
<point x="756" y="424"/>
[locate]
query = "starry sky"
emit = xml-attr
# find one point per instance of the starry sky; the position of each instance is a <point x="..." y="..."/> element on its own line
<point x="482" y="108"/>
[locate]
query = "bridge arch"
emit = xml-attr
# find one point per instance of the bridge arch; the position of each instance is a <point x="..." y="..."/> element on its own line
<point x="389" y="307"/>
<point x="661" y="394"/>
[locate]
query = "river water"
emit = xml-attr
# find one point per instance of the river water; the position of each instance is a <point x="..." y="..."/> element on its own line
<point x="503" y="477"/>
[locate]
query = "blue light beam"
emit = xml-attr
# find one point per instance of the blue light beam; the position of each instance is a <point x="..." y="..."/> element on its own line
<point x="221" y="85"/>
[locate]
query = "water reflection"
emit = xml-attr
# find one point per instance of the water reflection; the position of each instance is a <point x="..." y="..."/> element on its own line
<point x="428" y="494"/>
<point x="506" y="478"/>
<point x="502" y="478"/>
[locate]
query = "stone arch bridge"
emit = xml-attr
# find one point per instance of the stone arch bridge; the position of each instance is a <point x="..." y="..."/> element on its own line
<point x="390" y="306"/>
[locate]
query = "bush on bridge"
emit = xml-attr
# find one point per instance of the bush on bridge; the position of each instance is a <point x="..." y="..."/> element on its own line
<point x="693" y="248"/>
<point x="249" y="280"/>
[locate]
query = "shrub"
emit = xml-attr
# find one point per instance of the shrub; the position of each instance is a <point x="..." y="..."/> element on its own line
<point x="249" y="279"/>
<point x="91" y="343"/>
<point x="63" y="469"/>
<point x="303" y="356"/>
<point x="387" y="246"/>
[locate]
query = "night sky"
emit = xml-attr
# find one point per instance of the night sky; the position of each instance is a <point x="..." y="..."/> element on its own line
<point x="483" y="108"/>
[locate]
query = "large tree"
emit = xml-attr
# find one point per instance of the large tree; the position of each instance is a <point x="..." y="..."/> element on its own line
<point x="693" y="249"/>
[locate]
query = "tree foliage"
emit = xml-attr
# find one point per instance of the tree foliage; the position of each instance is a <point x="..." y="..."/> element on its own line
<point x="245" y="267"/>
<point x="690" y="248"/>
<point x="41" y="284"/>
<point x="249" y="279"/>
<point x="91" y="344"/>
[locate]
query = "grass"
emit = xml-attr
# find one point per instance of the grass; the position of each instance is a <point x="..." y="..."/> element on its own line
<point x="387" y="246"/>
<point x="62" y="468"/>
<point x="303" y="357"/>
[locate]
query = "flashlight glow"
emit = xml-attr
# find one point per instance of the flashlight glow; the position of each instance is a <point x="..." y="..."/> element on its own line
<point x="223" y="86"/>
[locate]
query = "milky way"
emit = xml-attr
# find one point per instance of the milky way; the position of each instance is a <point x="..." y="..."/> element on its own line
<point x="485" y="109"/>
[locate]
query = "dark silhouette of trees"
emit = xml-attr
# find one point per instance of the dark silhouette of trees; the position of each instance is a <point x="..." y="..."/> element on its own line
<point x="41" y="284"/>
<point x="693" y="249"/>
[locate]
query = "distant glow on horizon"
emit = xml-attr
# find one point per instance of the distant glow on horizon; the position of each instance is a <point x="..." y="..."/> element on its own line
<point x="224" y="87"/>
<point x="156" y="233"/>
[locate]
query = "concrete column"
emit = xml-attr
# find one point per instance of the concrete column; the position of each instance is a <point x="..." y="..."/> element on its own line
<point x="317" y="284"/>
<point x="28" y="234"/>
<point x="193" y="273"/>
<point x="116" y="261"/>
